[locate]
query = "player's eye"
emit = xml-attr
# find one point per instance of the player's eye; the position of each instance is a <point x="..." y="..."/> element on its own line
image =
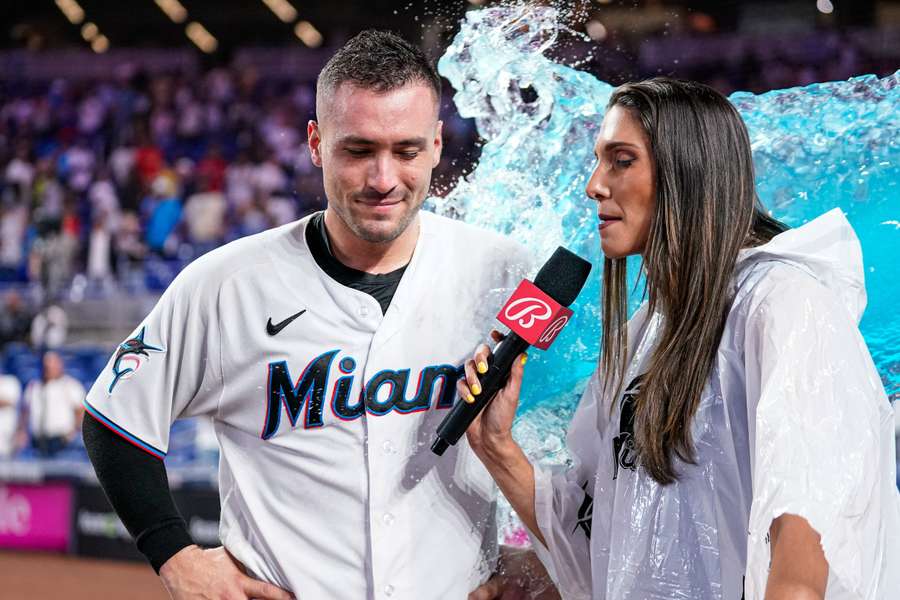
<point x="408" y="155"/>
<point x="357" y="151"/>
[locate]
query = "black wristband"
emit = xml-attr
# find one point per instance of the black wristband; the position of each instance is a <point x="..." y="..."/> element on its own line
<point x="162" y="542"/>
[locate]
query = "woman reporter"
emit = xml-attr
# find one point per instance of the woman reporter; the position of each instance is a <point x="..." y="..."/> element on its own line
<point x="736" y="439"/>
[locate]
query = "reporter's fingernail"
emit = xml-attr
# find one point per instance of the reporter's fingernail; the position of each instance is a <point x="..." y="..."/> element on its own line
<point x="524" y="358"/>
<point x="470" y="398"/>
<point x="476" y="389"/>
<point x="482" y="367"/>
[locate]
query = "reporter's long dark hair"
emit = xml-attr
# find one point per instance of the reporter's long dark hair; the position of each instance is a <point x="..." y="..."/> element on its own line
<point x="706" y="211"/>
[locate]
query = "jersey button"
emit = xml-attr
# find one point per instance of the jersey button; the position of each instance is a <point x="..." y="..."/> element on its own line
<point x="388" y="519"/>
<point x="388" y="590"/>
<point x="388" y="447"/>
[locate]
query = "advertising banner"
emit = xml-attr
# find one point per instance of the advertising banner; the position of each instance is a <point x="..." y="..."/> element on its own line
<point x="99" y="532"/>
<point x="35" y="516"/>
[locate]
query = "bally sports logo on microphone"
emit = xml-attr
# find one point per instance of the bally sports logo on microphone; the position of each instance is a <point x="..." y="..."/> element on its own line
<point x="533" y="315"/>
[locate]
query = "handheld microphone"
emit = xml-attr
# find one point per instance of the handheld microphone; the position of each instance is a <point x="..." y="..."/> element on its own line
<point x="535" y="314"/>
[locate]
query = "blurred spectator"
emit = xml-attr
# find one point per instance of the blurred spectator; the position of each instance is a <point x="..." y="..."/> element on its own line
<point x="54" y="407"/>
<point x="102" y="195"/>
<point x="164" y="209"/>
<point x="46" y="192"/>
<point x="128" y="246"/>
<point x="100" y="249"/>
<point x="148" y="158"/>
<point x="50" y="260"/>
<point x="268" y="176"/>
<point x="91" y="113"/>
<point x="15" y="320"/>
<point x="212" y="169"/>
<point x="10" y="394"/>
<point x="49" y="328"/>
<point x="121" y="162"/>
<point x="13" y="225"/>
<point x="20" y="171"/>
<point x="239" y="181"/>
<point x="75" y="166"/>
<point x="125" y="176"/>
<point x="104" y="207"/>
<point x="204" y="215"/>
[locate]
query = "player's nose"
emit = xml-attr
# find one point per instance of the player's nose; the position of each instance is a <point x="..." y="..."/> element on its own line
<point x="383" y="176"/>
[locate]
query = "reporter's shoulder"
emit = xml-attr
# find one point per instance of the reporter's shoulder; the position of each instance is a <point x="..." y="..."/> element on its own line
<point x="785" y="291"/>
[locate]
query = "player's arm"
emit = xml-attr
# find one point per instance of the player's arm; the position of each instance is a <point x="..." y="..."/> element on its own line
<point x="138" y="489"/>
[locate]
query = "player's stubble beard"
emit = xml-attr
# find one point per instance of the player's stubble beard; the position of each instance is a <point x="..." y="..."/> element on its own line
<point x="380" y="235"/>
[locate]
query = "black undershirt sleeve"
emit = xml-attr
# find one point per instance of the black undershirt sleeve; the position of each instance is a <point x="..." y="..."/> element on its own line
<point x="137" y="486"/>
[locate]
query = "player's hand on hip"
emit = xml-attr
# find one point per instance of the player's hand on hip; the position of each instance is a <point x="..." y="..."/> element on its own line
<point x="196" y="574"/>
<point x="520" y="576"/>
<point x="495" y="589"/>
<point x="493" y="426"/>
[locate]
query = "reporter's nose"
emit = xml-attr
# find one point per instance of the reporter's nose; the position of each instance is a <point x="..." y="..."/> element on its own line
<point x="597" y="189"/>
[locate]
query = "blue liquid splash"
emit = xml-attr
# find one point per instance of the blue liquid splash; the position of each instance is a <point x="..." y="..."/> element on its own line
<point x="815" y="148"/>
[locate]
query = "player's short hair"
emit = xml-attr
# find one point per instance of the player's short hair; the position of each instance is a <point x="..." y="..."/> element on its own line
<point x="376" y="60"/>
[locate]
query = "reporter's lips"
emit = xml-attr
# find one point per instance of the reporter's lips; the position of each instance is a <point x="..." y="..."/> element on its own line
<point x="607" y="220"/>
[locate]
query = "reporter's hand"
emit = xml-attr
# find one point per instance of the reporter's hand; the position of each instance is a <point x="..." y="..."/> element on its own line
<point x="490" y="437"/>
<point x="492" y="428"/>
<point x="196" y="574"/>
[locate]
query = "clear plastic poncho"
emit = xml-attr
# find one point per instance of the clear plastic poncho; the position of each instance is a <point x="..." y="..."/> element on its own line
<point x="793" y="419"/>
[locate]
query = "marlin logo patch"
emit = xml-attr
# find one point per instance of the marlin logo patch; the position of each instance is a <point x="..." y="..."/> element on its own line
<point x="128" y="357"/>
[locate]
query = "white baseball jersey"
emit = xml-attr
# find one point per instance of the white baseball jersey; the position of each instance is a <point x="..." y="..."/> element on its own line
<point x="793" y="419"/>
<point x="327" y="481"/>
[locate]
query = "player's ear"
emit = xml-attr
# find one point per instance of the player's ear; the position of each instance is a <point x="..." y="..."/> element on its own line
<point x="314" y="141"/>
<point x="438" y="143"/>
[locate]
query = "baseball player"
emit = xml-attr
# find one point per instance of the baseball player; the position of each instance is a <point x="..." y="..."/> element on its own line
<point x="325" y="351"/>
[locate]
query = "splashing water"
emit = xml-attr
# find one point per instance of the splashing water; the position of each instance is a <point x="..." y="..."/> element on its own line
<point x="816" y="147"/>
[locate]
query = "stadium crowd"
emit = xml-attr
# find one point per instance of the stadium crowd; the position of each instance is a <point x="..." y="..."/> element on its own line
<point x="99" y="176"/>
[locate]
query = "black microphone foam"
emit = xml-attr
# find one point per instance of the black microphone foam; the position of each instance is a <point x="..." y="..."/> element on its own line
<point x="563" y="276"/>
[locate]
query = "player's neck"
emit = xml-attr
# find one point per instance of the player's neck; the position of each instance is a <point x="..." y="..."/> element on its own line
<point x="370" y="257"/>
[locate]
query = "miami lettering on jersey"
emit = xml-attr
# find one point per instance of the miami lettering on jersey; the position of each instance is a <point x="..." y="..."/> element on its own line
<point x="310" y="390"/>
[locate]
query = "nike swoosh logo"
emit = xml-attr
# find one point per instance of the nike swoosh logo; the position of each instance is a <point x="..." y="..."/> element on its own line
<point x="274" y="329"/>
